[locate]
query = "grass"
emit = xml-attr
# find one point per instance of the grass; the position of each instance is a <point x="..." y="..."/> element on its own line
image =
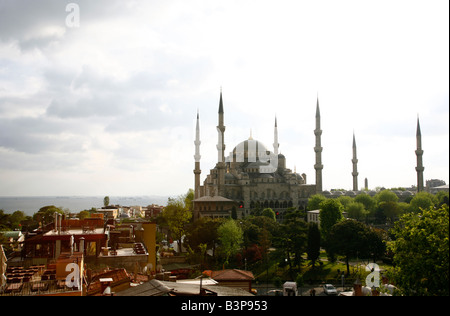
<point x="323" y="272"/>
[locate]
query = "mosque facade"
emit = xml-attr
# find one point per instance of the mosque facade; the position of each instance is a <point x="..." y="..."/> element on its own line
<point x="255" y="177"/>
<point x="251" y="177"/>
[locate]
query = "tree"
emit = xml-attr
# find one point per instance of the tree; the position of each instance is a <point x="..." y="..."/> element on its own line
<point x="230" y="238"/>
<point x="421" y="252"/>
<point x="202" y="231"/>
<point x="345" y="200"/>
<point x="189" y="200"/>
<point x="84" y="214"/>
<point x="422" y="200"/>
<point x="106" y="201"/>
<point x="313" y="246"/>
<point x="314" y="202"/>
<point x="368" y="201"/>
<point x="291" y="242"/>
<point x="348" y="238"/>
<point x="268" y="212"/>
<point x="442" y="198"/>
<point x="11" y="221"/>
<point x="376" y="244"/>
<point x="356" y="210"/>
<point x="177" y="215"/>
<point x="45" y="215"/>
<point x="330" y="214"/>
<point x="386" y="196"/>
<point x="390" y="209"/>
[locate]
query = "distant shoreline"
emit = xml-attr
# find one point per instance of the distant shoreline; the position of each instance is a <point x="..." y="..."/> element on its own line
<point x="31" y="204"/>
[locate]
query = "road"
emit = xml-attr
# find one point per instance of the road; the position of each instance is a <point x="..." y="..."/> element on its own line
<point x="306" y="290"/>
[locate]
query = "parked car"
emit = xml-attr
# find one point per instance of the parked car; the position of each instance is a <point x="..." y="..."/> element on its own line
<point x="329" y="289"/>
<point x="275" y="293"/>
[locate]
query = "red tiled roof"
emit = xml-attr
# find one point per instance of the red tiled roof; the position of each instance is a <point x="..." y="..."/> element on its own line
<point x="230" y="275"/>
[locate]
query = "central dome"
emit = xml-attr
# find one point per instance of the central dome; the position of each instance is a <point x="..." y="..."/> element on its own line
<point x="250" y="151"/>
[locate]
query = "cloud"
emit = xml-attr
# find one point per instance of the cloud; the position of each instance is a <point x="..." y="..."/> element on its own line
<point x="117" y="97"/>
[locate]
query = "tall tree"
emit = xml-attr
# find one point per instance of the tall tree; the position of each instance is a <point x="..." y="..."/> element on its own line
<point x="422" y="200"/>
<point x="348" y="238"/>
<point x="386" y="196"/>
<point x="106" y="201"/>
<point x="177" y="215"/>
<point x="357" y="211"/>
<point x="231" y="238"/>
<point x="368" y="201"/>
<point x="330" y="214"/>
<point x="421" y="252"/>
<point x="313" y="247"/>
<point x="314" y="202"/>
<point x="203" y="231"/>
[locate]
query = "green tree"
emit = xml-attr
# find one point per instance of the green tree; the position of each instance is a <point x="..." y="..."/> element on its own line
<point x="357" y="211"/>
<point x="314" y="202"/>
<point x="442" y="198"/>
<point x="4" y="220"/>
<point x="230" y="238"/>
<point x="390" y="209"/>
<point x="348" y="238"/>
<point x="106" y="201"/>
<point x="45" y="215"/>
<point x="330" y="214"/>
<point x="386" y="196"/>
<point x="177" y="215"/>
<point x="345" y="201"/>
<point x="189" y="200"/>
<point x="375" y="244"/>
<point x="421" y="252"/>
<point x="268" y="212"/>
<point x="422" y="200"/>
<point x="84" y="214"/>
<point x="313" y="246"/>
<point x="202" y="232"/>
<point x="369" y="202"/>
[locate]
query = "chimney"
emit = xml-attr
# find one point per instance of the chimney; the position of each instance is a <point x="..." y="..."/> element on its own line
<point x="82" y="245"/>
<point x="357" y="287"/>
<point x="55" y="222"/>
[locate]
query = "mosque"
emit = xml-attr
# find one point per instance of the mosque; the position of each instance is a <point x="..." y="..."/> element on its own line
<point x="255" y="177"/>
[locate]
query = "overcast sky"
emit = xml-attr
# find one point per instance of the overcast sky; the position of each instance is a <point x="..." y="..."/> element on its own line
<point x="108" y="106"/>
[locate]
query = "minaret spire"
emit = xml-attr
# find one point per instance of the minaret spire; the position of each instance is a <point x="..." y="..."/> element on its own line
<point x="318" y="150"/>
<point x="221" y="150"/>
<point x="355" y="166"/>
<point x="197" y="158"/>
<point x="419" y="153"/>
<point x="221" y="132"/>
<point x="276" y="145"/>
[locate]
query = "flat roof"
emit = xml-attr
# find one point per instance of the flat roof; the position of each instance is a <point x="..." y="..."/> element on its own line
<point x="75" y="231"/>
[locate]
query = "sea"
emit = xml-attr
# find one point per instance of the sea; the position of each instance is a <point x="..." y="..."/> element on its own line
<point x="75" y="204"/>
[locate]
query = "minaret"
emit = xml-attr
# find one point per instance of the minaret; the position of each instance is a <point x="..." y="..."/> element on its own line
<point x="355" y="166"/>
<point x="197" y="157"/>
<point x="221" y="132"/>
<point x="419" y="152"/>
<point x="318" y="149"/>
<point x="221" y="150"/>
<point x="276" y="145"/>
